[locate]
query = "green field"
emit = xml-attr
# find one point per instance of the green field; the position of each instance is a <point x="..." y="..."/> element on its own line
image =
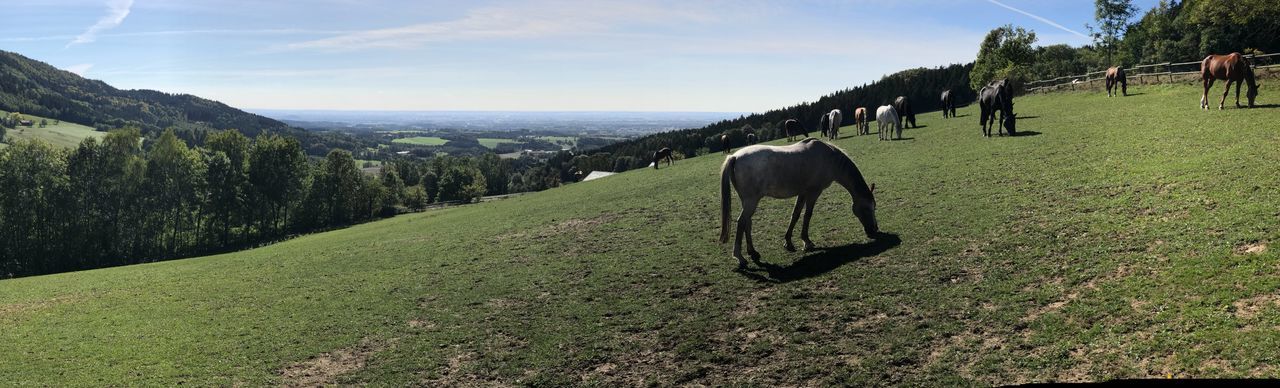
<point x="493" y="143"/>
<point x="421" y="140"/>
<point x="63" y="134"/>
<point x="1119" y="237"/>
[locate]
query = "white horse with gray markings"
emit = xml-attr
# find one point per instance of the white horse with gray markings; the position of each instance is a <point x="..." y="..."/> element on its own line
<point x="802" y="170"/>
<point x="886" y="117"/>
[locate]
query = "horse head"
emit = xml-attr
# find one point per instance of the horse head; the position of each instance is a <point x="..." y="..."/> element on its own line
<point x="1010" y="123"/>
<point x="1252" y="93"/>
<point x="865" y="210"/>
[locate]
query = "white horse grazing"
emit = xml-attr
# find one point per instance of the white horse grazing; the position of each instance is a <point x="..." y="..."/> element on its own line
<point x="833" y="120"/>
<point x="802" y="170"/>
<point x="887" y="117"/>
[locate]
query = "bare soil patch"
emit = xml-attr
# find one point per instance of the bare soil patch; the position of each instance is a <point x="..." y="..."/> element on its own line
<point x="325" y="368"/>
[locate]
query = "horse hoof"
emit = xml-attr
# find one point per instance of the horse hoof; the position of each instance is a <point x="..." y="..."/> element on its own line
<point x="755" y="256"/>
<point x="742" y="263"/>
<point x="789" y="247"/>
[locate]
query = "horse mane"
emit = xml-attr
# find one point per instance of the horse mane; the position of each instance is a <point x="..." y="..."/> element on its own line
<point x="846" y="167"/>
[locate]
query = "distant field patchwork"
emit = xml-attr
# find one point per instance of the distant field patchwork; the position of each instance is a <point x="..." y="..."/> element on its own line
<point x="62" y="134"/>
<point x="422" y="140"/>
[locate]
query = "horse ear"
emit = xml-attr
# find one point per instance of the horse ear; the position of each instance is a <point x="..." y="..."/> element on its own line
<point x="873" y="188"/>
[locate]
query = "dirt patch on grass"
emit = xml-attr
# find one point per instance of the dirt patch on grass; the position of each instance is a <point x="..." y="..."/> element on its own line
<point x="571" y="226"/>
<point x="650" y="358"/>
<point x="1253" y="248"/>
<point x="10" y="310"/>
<point x="325" y="368"/>
<point x="1250" y="307"/>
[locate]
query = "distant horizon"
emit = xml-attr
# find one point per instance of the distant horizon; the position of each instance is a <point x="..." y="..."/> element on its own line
<point x="506" y="55"/>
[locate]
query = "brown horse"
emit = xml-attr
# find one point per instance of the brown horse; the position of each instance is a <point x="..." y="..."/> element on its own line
<point x="1115" y="76"/>
<point x="659" y="155"/>
<point x="724" y="144"/>
<point x="793" y="129"/>
<point x="1232" y="68"/>
<point x="905" y="115"/>
<point x="860" y="121"/>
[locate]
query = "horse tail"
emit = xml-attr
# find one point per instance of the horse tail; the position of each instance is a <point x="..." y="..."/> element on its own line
<point x="726" y="176"/>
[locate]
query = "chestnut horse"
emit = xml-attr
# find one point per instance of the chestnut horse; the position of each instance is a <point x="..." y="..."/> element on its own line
<point x="860" y="121"/>
<point x="802" y="170"/>
<point x="793" y="129"/>
<point x="1232" y="68"/>
<point x="659" y="155"/>
<point x="1115" y="75"/>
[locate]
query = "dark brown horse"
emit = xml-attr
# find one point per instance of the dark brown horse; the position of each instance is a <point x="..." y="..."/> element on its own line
<point x="996" y="97"/>
<point x="659" y="155"/>
<point x="1232" y="68"/>
<point x="860" y="121"/>
<point x="793" y="129"/>
<point x="948" y="104"/>
<point x="724" y="143"/>
<point x="1115" y="76"/>
<point x="905" y="114"/>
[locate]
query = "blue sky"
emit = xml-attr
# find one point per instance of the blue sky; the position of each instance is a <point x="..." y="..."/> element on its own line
<point x="516" y="55"/>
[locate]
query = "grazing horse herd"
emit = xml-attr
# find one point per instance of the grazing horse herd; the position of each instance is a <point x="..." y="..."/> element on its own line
<point x="806" y="168"/>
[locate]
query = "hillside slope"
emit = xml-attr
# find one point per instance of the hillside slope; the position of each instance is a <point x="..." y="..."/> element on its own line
<point x="36" y="88"/>
<point x="1121" y="237"/>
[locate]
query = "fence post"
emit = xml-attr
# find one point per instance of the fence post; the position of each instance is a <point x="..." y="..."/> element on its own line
<point x="1168" y="67"/>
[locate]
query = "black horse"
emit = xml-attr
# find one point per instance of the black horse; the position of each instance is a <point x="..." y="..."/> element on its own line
<point x="996" y="96"/>
<point x="793" y="129"/>
<point x="948" y="104"/>
<point x="905" y="114"/>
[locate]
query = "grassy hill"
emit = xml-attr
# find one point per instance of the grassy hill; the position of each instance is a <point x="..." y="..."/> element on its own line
<point x="62" y="134"/>
<point x="1120" y="237"/>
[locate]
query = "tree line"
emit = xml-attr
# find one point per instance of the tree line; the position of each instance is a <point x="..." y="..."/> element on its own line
<point x="1171" y="31"/>
<point x="127" y="199"/>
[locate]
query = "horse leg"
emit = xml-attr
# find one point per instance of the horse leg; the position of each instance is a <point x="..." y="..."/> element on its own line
<point x="795" y="215"/>
<point x="809" y="201"/>
<point x="1204" y="97"/>
<point x="1227" y="90"/>
<point x="1238" y="85"/>
<point x="744" y="228"/>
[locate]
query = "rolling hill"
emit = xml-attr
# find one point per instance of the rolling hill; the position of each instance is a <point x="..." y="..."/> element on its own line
<point x="1116" y="238"/>
<point x="36" y="88"/>
<point x="63" y="134"/>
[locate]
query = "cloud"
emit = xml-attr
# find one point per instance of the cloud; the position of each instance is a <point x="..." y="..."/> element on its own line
<point x="117" y="10"/>
<point x="79" y="69"/>
<point x="517" y="21"/>
<point x="1041" y="19"/>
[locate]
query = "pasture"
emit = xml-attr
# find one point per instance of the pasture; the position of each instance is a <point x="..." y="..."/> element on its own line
<point x="492" y="143"/>
<point x="62" y="134"/>
<point x="1115" y="238"/>
<point x="421" y="140"/>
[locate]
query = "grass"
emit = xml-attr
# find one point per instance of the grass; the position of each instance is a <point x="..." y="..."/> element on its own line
<point x="421" y="140"/>
<point x="1113" y="240"/>
<point x="493" y="143"/>
<point x="63" y="134"/>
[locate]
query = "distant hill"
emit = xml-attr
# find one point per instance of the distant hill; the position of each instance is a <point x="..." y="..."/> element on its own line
<point x="33" y="87"/>
<point x="60" y="133"/>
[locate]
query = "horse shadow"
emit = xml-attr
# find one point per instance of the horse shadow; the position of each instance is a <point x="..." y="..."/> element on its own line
<point x="1133" y="94"/>
<point x="1255" y="106"/>
<point x="904" y="138"/>
<point x="820" y="261"/>
<point x="917" y="127"/>
<point x="1027" y="117"/>
<point x="1026" y="133"/>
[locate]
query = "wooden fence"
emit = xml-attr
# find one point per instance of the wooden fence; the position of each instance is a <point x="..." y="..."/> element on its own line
<point x="1141" y="74"/>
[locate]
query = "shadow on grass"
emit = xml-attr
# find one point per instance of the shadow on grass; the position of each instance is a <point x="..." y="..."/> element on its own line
<point x="1028" y="117"/>
<point x="1026" y="133"/>
<point x="1266" y="106"/>
<point x="916" y="127"/>
<point x="1132" y="94"/>
<point x="820" y="261"/>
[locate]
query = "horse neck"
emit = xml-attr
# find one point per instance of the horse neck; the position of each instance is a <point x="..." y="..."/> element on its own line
<point x="848" y="176"/>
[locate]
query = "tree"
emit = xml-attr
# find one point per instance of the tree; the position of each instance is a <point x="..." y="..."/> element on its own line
<point x="1005" y="52"/>
<point x="228" y="181"/>
<point x="43" y="123"/>
<point x="1112" y="17"/>
<point x="277" y="169"/>
<point x="32" y="187"/>
<point x="173" y="177"/>
<point x="461" y="183"/>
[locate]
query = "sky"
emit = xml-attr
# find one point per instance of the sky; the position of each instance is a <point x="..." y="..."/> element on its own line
<point x="534" y="55"/>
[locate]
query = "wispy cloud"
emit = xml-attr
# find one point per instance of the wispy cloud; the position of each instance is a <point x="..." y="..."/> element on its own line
<point x="80" y="69"/>
<point x="523" y="21"/>
<point x="279" y="31"/>
<point x="1041" y="19"/>
<point x="117" y="10"/>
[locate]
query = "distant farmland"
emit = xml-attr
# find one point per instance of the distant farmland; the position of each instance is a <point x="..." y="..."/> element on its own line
<point x="422" y="140"/>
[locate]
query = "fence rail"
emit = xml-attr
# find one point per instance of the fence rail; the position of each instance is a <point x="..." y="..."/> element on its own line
<point x="1151" y="71"/>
